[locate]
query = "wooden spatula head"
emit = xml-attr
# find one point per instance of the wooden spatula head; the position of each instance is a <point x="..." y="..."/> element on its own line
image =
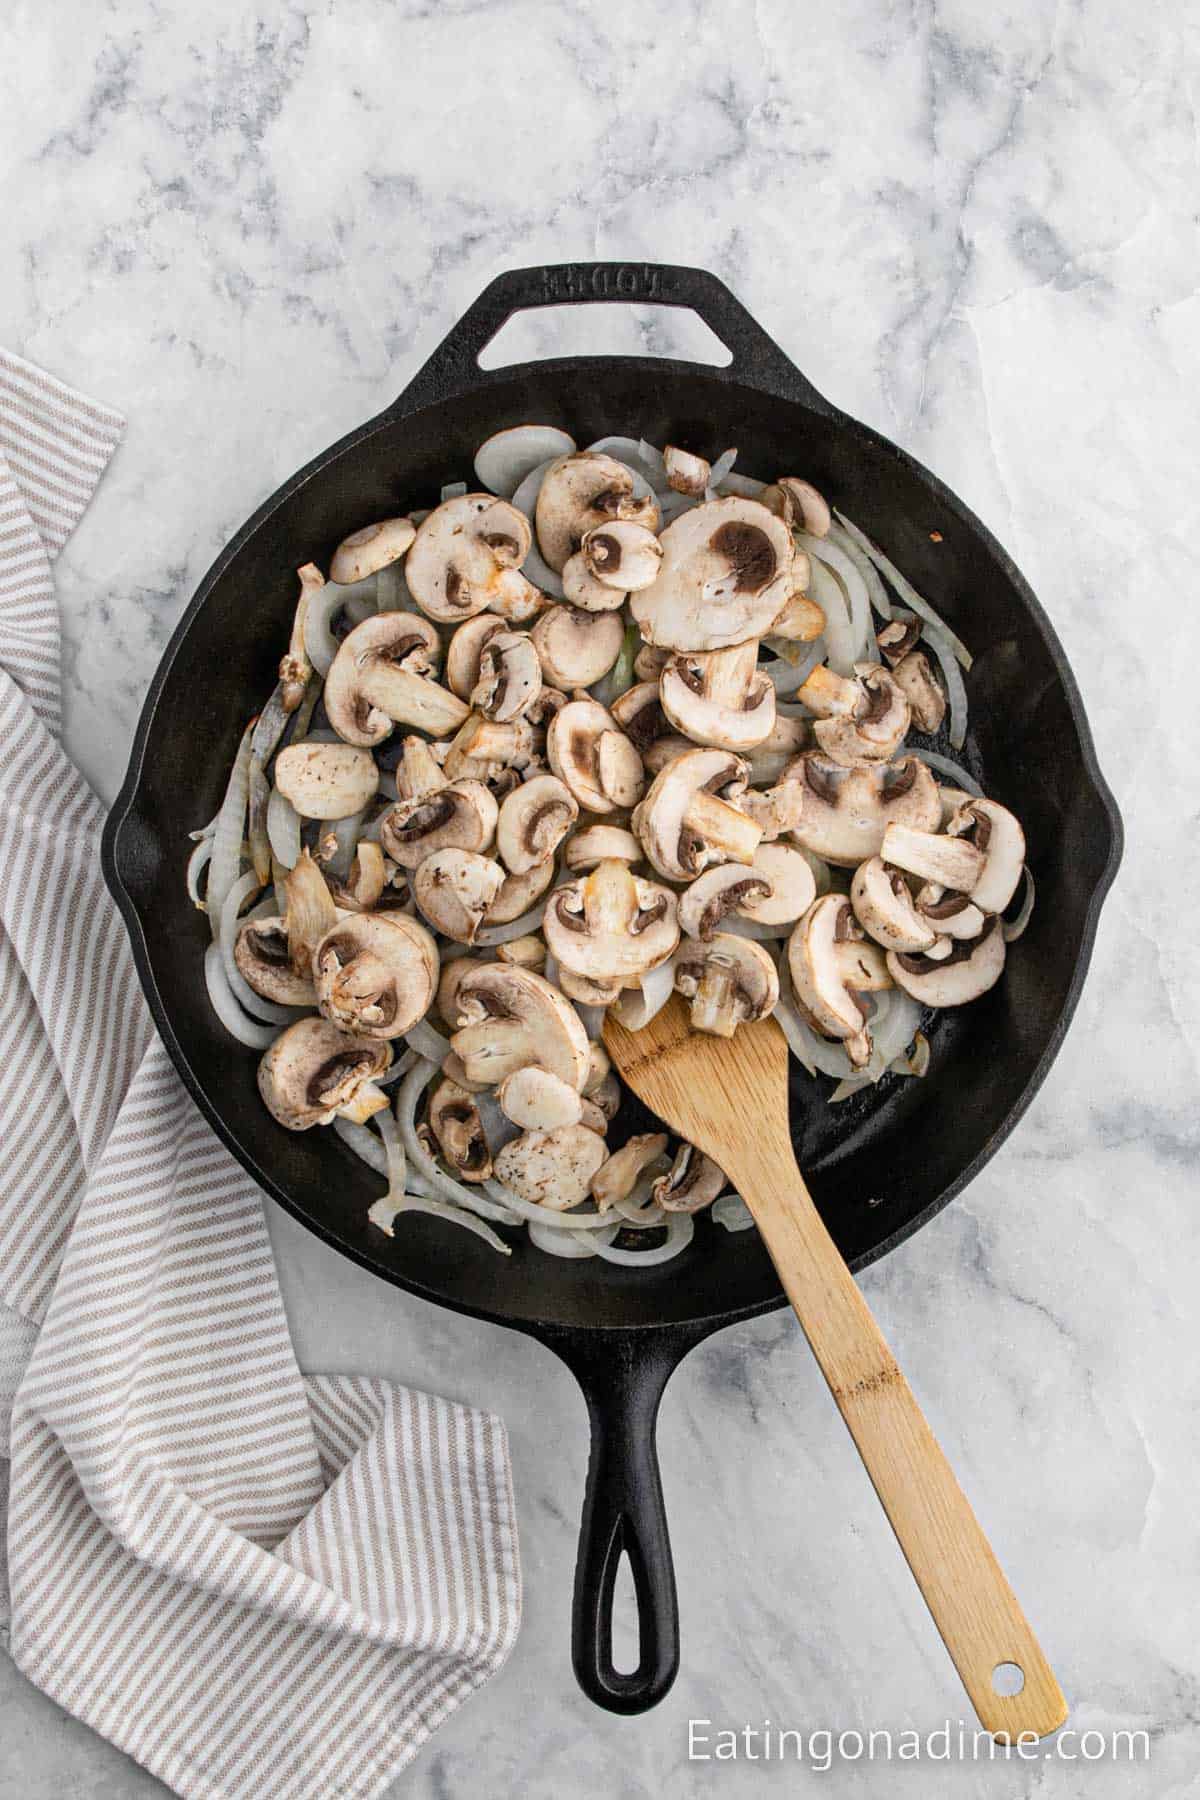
<point x="724" y="1095"/>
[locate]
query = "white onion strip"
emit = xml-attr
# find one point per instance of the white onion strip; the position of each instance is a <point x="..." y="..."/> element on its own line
<point x="427" y="1042"/>
<point x="821" y="550"/>
<point x="731" y="1211"/>
<point x="246" y="1031"/>
<point x="943" y="765"/>
<point x="635" y="1007"/>
<point x="1015" y="928"/>
<point x="535" y="568"/>
<point x="839" y="634"/>
<point x="530" y="1211"/>
<point x="570" y="1245"/>
<point x="365" y="1145"/>
<point x="319" y="640"/>
<point x="956" y="691"/>
<point x="878" y="594"/>
<point x="905" y="588"/>
<point x="489" y="935"/>
<point x="197" y="863"/>
<point x="680" y="1231"/>
<point x="230" y="833"/>
<point x="283" y="829"/>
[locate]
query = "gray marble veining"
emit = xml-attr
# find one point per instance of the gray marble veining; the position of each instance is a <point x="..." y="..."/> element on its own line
<point x="975" y="229"/>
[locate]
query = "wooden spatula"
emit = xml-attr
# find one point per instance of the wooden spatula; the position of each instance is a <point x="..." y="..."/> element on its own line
<point x="729" y="1097"/>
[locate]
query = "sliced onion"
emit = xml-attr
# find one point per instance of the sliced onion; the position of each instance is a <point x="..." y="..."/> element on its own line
<point x="272" y="723"/>
<point x="535" y="568"/>
<point x="905" y="588"/>
<point x="363" y="1142"/>
<point x="731" y="1211"/>
<point x="256" y="824"/>
<point x="717" y="474"/>
<point x="453" y="490"/>
<point x="815" y="1052"/>
<point x="428" y="1042"/>
<point x="319" y="640"/>
<point x="591" y="1018"/>
<point x="840" y="630"/>
<point x="1012" y="929"/>
<point x="785" y="675"/>
<point x="635" y="1007"/>
<point x="498" y="1128"/>
<point x="631" y="452"/>
<point x="534" y="1214"/>
<point x="571" y="1245"/>
<point x="489" y="935"/>
<point x="504" y="460"/>
<point x="283" y="829"/>
<point x="400" y="1067"/>
<point x="956" y="691"/>
<point x="839" y="536"/>
<point x="751" y="928"/>
<point x="230" y="833"/>
<point x="672" y="506"/>
<point x="246" y="1031"/>
<point x="385" y="1212"/>
<point x="745" y="485"/>
<point x="854" y="587"/>
<point x="853" y="1084"/>
<point x="197" y="862"/>
<point x="654" y="463"/>
<point x="345" y="833"/>
<point x="944" y="766"/>
<point x="393" y="1149"/>
<point x="681" y="1228"/>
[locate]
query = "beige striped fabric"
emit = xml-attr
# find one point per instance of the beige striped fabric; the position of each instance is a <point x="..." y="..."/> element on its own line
<point x="257" y="1583"/>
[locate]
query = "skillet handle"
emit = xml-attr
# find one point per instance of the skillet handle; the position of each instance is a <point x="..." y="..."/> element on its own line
<point x="623" y="1375"/>
<point x="757" y="360"/>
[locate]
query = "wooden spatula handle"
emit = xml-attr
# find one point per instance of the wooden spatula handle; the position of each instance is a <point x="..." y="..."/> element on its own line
<point x="972" y="1604"/>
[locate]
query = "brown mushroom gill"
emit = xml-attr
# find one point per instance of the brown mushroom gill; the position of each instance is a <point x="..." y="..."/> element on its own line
<point x="729" y="899"/>
<point x="324" y="1082"/>
<point x="749" y="553"/>
<point x="964" y="949"/>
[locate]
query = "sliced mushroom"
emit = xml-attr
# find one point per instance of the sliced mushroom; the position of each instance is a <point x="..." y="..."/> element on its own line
<point x="952" y="862"/>
<point x="528" y="952"/>
<point x="575" y="647"/>
<point x="460" y="815"/>
<point x="897" y="638"/>
<point x="467" y="559"/>
<point x="616" y="1178"/>
<point x="831" y="966"/>
<point x="686" y="474"/>
<point x="998" y="837"/>
<point x="365" y="552"/>
<point x="800" y="621"/>
<point x="454" y="889"/>
<point x="482" y="748"/>
<point x="622" y="556"/>
<point x="519" y="892"/>
<point x="885" y="909"/>
<point x="369" y="875"/>
<point x="453" y="1118"/>
<point x="295" y="668"/>
<point x="534" y="819"/>
<point x="611" y="925"/>
<point x="650" y="662"/>
<point x="586" y="990"/>
<point x="971" y="968"/>
<point x="262" y="952"/>
<point x="694" y="1182"/>
<point x="595" y="759"/>
<point x="719" y="697"/>
<point x="858" y="721"/>
<point x="847" y="810"/>
<point x="799" y="504"/>
<point x="664" y="750"/>
<point x="326" y="781"/>
<point x="378" y="680"/>
<point x="553" y="1169"/>
<point x="309" y="911"/>
<point x="768" y="760"/>
<point x="601" y="843"/>
<point x="727" y="570"/>
<point x="465" y="650"/>
<point x="914" y="677"/>
<point x="583" y="589"/>
<point x="512" y="1018"/>
<point x="313" y="1072"/>
<point x="581" y="492"/>
<point x="775" y="890"/>
<point x="536" y="1100"/>
<point x="510" y="676"/>
<point x="950" y="915"/>
<point x="729" y="981"/>
<point x="453" y="973"/>
<point x="375" y="973"/>
<point x="684" y="824"/>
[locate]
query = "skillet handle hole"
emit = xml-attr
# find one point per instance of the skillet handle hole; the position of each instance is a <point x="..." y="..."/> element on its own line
<point x="598" y="329"/>
<point x="625" y="1644"/>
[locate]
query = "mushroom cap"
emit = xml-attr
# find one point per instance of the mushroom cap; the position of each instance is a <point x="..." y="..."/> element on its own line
<point x="684" y="824"/>
<point x="464" y="556"/>
<point x="830" y="966"/>
<point x="262" y="953"/>
<point x="373" y="548"/>
<point x="454" y="889"/>
<point x="453" y="973"/>
<point x="380" y="676"/>
<point x="553" y="1169"/>
<point x="949" y="914"/>
<point x="719" y="697"/>
<point x="726" y="572"/>
<point x="997" y="834"/>
<point x="694" y="1181"/>
<point x="662" y="751"/>
<point x="638" y="711"/>
<point x="465" y="650"/>
<point x="512" y="1017"/>
<point x="616" y="1178"/>
<point x="600" y="843"/>
<point x="460" y="815"/>
<point x="376" y="973"/>
<point x="575" y="647"/>
<point x="777" y="887"/>
<point x="876" y="727"/>
<point x="580" y="492"/>
<point x="326" y="781"/>
<point x="799" y="505"/>
<point x="593" y="757"/>
<point x="454" y="1120"/>
<point x="536" y="1100"/>
<point x="883" y="906"/>
<point x="914" y="676"/>
<point x="313" y="1071"/>
<point x="583" y="589"/>
<point x="519" y="892"/>
<point x="971" y="968"/>
<point x="729" y="981"/>
<point x="510" y="675"/>
<point x="534" y="819"/>
<point x="848" y="809"/>
<point x="610" y="924"/>
<point x="622" y="555"/>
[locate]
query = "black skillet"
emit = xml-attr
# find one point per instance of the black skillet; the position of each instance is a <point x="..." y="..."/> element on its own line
<point x="879" y="1166"/>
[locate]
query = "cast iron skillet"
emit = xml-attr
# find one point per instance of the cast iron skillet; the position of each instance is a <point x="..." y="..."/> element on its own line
<point x="879" y="1166"/>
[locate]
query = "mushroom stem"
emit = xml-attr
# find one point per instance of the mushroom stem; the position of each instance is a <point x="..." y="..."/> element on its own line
<point x="952" y="862"/>
<point x="722" y="825"/>
<point x="295" y="669"/>
<point x="713" y="1006"/>
<point x="412" y="699"/>
<point x="367" y="1101"/>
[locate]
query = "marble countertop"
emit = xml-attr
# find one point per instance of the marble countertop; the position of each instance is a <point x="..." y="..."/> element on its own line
<point x="977" y="230"/>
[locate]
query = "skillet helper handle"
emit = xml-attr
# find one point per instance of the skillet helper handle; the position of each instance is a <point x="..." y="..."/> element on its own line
<point x="757" y="360"/>
<point x="973" y="1607"/>
<point x="623" y="1511"/>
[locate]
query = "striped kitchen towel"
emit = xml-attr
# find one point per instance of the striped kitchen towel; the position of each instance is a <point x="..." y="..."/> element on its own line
<point x="255" y="1582"/>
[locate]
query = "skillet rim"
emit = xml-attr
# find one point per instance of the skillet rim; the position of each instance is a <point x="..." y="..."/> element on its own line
<point x="698" y="1325"/>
